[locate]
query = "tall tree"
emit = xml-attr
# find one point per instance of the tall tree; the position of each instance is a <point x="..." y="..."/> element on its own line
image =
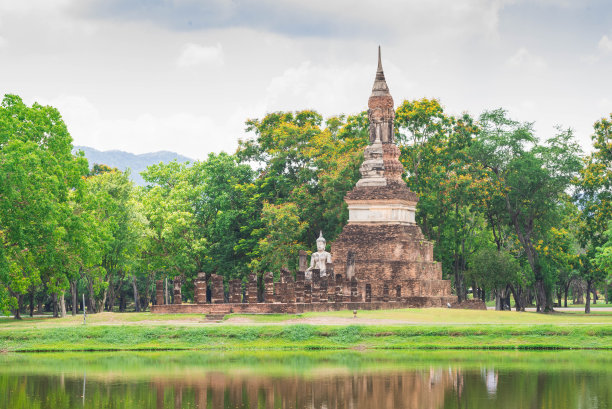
<point x="38" y="172"/>
<point x="117" y="216"/>
<point x="594" y="196"/>
<point x="532" y="180"/>
<point x="303" y="161"/>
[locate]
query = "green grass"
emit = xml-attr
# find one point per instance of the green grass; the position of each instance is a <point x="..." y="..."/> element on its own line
<point x="383" y="329"/>
<point x="436" y="316"/>
<point x="306" y="337"/>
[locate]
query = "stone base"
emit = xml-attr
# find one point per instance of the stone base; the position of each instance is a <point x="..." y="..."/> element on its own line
<point x="280" y="308"/>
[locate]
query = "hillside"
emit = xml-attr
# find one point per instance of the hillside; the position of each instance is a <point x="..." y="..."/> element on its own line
<point x="124" y="160"/>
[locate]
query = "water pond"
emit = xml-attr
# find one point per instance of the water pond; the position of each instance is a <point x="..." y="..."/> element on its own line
<point x="330" y="380"/>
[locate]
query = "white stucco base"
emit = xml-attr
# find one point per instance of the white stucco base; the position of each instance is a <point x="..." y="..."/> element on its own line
<point x="381" y="212"/>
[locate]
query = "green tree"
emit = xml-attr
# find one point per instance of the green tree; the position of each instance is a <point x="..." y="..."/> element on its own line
<point x="200" y="218"/>
<point x="280" y="247"/>
<point x="121" y="225"/>
<point x="532" y="180"/>
<point x="603" y="257"/>
<point x="497" y="270"/>
<point x="594" y="183"/>
<point x="435" y="151"/>
<point x="38" y="172"/>
<point x="594" y="196"/>
<point x="303" y="161"/>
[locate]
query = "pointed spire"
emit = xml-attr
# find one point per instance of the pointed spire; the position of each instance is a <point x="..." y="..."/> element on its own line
<point x="321" y="236"/>
<point x="380" y="87"/>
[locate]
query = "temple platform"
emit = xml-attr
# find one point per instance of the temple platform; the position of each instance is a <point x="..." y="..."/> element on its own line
<point x="297" y="308"/>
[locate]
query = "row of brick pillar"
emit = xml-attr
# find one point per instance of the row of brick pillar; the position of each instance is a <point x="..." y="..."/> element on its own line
<point x="332" y="288"/>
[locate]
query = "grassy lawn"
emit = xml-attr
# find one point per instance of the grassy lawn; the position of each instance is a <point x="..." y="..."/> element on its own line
<point x="384" y="329"/>
<point x="424" y="316"/>
<point x="307" y="337"/>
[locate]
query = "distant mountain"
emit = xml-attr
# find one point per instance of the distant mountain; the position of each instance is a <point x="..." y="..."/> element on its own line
<point x="124" y="160"/>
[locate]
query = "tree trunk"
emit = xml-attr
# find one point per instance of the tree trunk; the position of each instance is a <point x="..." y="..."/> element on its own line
<point x="62" y="302"/>
<point x="121" y="300"/>
<point x="111" y="296"/>
<point x="73" y="293"/>
<point x="136" y="297"/>
<point x="517" y="297"/>
<point x="55" y="311"/>
<point x="507" y="302"/>
<point x="498" y="301"/>
<point x="40" y="307"/>
<point x="587" y="305"/>
<point x="91" y="300"/>
<point x="458" y="285"/>
<point x="543" y="303"/>
<point x="102" y="302"/>
<point x="594" y="295"/>
<point x="32" y="302"/>
<point x="18" y="309"/>
<point x="565" y="298"/>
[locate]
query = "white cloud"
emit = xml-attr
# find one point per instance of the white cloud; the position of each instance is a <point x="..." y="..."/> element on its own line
<point x="3" y="42"/>
<point x="330" y="89"/>
<point x="195" y="54"/>
<point x="605" y="105"/>
<point x="31" y="5"/>
<point x="188" y="134"/>
<point x="316" y="86"/>
<point x="605" y="44"/>
<point x="524" y="59"/>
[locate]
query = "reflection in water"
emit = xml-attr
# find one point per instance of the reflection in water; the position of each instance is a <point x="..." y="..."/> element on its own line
<point x="124" y="384"/>
<point x="421" y="389"/>
<point x="490" y="377"/>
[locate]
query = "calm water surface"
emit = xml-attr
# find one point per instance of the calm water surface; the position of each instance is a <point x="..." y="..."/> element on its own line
<point x="351" y="380"/>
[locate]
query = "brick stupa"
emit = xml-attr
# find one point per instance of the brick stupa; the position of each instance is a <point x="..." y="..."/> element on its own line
<point x="382" y="247"/>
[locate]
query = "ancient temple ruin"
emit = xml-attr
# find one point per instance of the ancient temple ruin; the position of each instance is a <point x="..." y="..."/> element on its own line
<point x="382" y="246"/>
<point x="380" y="260"/>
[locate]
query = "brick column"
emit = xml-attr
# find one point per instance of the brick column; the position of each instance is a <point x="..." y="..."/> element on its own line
<point x="199" y="296"/>
<point x="252" y="289"/>
<point x="303" y="261"/>
<point x="217" y="295"/>
<point x="235" y="295"/>
<point x="159" y="292"/>
<point x="290" y="298"/>
<point x="339" y="285"/>
<point x="307" y="292"/>
<point x="269" y="287"/>
<point x="287" y="289"/>
<point x="299" y="287"/>
<point x="316" y="285"/>
<point x="178" y="299"/>
<point x="330" y="282"/>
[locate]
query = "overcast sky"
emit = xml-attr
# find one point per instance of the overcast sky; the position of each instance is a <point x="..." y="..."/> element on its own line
<point x="184" y="75"/>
